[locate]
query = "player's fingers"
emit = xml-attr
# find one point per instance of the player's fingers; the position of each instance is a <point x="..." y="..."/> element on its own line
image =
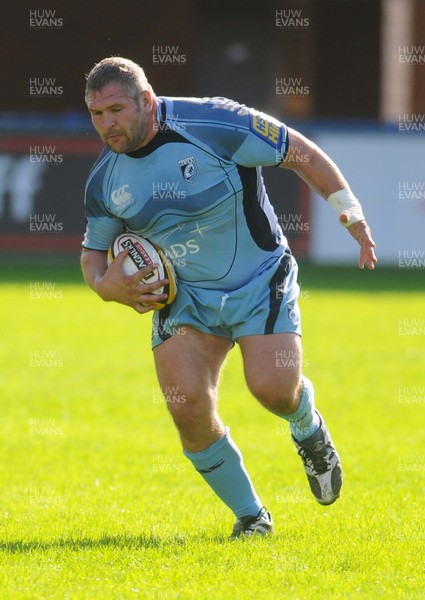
<point x="367" y="257"/>
<point x="148" y="288"/>
<point x="143" y="272"/>
<point x="372" y="259"/>
<point x="147" y="302"/>
<point x="363" y="257"/>
<point x="370" y="242"/>
<point x="151" y="298"/>
<point x="120" y="257"/>
<point x="141" y="309"/>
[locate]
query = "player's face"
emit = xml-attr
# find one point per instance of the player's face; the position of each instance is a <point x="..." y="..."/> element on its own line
<point x="122" y="123"/>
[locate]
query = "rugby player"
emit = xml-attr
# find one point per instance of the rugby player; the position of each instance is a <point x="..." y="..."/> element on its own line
<point x="237" y="276"/>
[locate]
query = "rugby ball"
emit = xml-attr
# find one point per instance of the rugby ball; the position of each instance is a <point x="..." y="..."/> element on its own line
<point x="142" y="253"/>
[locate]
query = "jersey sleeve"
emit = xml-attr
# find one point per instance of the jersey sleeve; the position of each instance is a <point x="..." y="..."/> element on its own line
<point x="266" y="142"/>
<point x="100" y="232"/>
<point x="101" y="226"/>
<point x="231" y="130"/>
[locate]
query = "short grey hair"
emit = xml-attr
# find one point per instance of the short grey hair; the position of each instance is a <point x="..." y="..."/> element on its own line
<point x="115" y="69"/>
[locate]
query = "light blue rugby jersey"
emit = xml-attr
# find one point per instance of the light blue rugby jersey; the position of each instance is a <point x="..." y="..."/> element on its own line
<point x="195" y="190"/>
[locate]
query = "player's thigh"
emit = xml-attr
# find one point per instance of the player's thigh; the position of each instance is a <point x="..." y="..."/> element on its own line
<point x="272" y="365"/>
<point x="190" y="362"/>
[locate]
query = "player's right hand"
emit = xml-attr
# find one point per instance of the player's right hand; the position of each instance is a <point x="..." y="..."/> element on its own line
<point x="362" y="234"/>
<point x="130" y="290"/>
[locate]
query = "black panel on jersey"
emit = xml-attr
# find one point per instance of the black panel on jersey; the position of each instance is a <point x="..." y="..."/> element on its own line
<point x="162" y="110"/>
<point x="164" y="136"/>
<point x="259" y="213"/>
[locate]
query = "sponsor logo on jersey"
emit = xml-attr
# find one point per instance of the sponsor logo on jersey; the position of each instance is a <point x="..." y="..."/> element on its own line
<point x="266" y="130"/>
<point x="121" y="197"/>
<point x="189" y="168"/>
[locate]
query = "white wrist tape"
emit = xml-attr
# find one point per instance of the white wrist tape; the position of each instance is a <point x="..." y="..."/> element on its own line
<point x="345" y="201"/>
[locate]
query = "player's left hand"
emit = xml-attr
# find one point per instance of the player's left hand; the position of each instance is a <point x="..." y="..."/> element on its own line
<point x="362" y="234"/>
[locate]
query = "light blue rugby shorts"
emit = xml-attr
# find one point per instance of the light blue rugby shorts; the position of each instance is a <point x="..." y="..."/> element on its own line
<point x="266" y="304"/>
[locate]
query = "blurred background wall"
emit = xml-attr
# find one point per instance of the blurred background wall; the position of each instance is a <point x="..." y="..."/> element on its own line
<point x="349" y="74"/>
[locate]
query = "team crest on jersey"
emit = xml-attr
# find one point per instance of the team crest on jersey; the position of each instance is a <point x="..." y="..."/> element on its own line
<point x="189" y="168"/>
<point x="293" y="315"/>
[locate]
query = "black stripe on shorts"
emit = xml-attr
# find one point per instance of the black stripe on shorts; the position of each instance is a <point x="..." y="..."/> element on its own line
<point x="276" y="282"/>
<point x="163" y="315"/>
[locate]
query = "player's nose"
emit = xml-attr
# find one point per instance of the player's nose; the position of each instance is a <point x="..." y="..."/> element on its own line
<point x="109" y="120"/>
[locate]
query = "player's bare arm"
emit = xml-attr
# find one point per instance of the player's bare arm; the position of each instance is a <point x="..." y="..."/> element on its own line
<point x="325" y="178"/>
<point x="111" y="284"/>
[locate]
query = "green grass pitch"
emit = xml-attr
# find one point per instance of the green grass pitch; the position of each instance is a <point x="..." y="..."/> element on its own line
<point x="98" y="502"/>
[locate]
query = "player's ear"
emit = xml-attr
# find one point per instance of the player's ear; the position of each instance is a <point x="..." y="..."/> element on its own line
<point x="146" y="101"/>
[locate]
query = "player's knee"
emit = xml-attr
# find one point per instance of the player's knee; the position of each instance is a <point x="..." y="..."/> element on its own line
<point x="280" y="398"/>
<point x="189" y="410"/>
